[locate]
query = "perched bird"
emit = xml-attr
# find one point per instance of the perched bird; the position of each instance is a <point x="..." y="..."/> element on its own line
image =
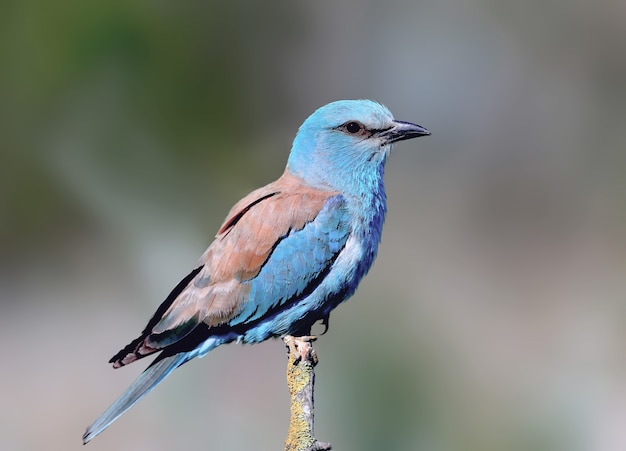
<point x="287" y="254"/>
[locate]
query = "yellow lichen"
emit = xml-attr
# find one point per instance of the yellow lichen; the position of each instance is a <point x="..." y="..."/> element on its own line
<point x="299" y="376"/>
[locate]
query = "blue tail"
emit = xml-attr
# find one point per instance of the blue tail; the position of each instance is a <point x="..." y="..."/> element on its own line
<point x="146" y="381"/>
<point x="150" y="378"/>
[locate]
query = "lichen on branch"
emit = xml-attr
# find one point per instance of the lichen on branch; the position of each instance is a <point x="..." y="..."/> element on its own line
<point x="300" y="381"/>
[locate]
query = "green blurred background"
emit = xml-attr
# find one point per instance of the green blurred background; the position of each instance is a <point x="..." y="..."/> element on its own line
<point x="494" y="318"/>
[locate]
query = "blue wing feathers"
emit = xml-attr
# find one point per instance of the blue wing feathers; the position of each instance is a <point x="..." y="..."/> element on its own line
<point x="297" y="260"/>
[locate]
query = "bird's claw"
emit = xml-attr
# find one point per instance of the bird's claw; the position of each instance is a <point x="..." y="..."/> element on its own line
<point x="326" y="323"/>
<point x="301" y="349"/>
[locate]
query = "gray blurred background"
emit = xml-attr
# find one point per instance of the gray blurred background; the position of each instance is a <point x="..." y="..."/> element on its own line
<point x="494" y="317"/>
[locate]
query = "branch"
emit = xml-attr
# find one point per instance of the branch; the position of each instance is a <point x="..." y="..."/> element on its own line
<point x="300" y="380"/>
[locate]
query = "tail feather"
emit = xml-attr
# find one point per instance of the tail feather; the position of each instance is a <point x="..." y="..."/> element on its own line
<point x="146" y="381"/>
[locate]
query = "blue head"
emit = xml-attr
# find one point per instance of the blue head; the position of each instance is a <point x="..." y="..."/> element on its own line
<point x="344" y="145"/>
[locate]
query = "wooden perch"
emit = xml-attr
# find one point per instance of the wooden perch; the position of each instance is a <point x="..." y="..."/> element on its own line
<point x="300" y="380"/>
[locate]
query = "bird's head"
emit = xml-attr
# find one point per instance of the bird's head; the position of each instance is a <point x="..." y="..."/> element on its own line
<point x="344" y="144"/>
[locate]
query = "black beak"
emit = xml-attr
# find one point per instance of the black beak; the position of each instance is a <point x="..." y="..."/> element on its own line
<point x="403" y="130"/>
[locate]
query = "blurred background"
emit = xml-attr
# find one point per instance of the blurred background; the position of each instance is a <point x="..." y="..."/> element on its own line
<point x="494" y="317"/>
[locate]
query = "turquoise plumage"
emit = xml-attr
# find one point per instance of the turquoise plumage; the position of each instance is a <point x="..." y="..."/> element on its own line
<point x="287" y="254"/>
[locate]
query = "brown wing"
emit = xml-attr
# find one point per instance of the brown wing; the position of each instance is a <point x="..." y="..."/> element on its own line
<point x="215" y="293"/>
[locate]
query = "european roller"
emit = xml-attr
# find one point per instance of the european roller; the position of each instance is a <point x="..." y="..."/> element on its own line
<point x="286" y="255"/>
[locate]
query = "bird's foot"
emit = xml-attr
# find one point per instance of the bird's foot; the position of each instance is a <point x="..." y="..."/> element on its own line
<point x="301" y="348"/>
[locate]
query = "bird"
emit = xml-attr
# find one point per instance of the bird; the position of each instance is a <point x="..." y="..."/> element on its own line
<point x="286" y="255"/>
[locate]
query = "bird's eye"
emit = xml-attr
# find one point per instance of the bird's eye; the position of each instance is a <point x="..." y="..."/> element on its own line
<point x="353" y="127"/>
